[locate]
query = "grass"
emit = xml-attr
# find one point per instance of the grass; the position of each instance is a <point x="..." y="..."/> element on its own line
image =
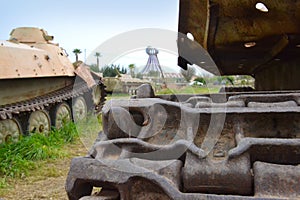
<point x="117" y="95"/>
<point x="17" y="159"/>
<point x="189" y="90"/>
<point x="88" y="129"/>
<point x="184" y="90"/>
<point x="47" y="180"/>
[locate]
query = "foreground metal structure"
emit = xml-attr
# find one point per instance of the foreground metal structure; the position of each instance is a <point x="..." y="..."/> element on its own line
<point x="243" y="38"/>
<point x="236" y="145"/>
<point x="255" y="152"/>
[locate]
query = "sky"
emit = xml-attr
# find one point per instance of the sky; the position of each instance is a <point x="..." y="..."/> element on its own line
<point x="86" y="24"/>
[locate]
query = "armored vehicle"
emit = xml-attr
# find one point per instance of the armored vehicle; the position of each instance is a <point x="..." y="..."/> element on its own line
<point x="39" y="84"/>
<point x="235" y="145"/>
<point x="122" y="84"/>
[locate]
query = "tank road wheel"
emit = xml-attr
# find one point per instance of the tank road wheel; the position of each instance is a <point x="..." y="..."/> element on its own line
<point x="60" y="115"/>
<point x="79" y="109"/>
<point x="39" y="122"/>
<point x="10" y="130"/>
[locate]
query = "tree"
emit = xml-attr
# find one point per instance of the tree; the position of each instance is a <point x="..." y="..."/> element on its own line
<point x="188" y="74"/>
<point x="112" y="71"/>
<point x="230" y="79"/>
<point x="201" y="80"/>
<point x="97" y="54"/>
<point x="123" y="70"/>
<point x="139" y="75"/>
<point x="224" y="80"/>
<point x="94" y="68"/>
<point x="153" y="73"/>
<point x="131" y="68"/>
<point x="76" y="52"/>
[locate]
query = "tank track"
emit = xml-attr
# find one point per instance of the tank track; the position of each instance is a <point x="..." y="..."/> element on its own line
<point x="221" y="146"/>
<point x="38" y="103"/>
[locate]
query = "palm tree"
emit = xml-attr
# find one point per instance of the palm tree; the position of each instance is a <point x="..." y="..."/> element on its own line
<point x="131" y="68"/>
<point x="76" y="52"/>
<point x="97" y="54"/>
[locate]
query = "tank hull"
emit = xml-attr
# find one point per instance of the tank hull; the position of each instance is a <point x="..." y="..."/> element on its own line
<point x="17" y="90"/>
<point x="122" y="85"/>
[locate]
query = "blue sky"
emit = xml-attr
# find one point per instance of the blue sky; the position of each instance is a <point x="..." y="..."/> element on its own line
<point x="85" y="24"/>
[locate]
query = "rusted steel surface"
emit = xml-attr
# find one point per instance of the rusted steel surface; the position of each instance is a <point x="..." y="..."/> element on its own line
<point x="122" y="84"/>
<point x="16" y="90"/>
<point x="277" y="180"/>
<point x="84" y="72"/>
<point x="202" y="147"/>
<point x="38" y="103"/>
<point x="244" y="40"/>
<point x="30" y="54"/>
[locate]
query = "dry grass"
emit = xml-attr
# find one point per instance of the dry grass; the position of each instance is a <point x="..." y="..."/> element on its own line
<point x="45" y="182"/>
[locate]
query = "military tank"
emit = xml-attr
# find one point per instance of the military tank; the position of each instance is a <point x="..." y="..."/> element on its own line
<point x="234" y="145"/>
<point x="122" y="84"/>
<point x="40" y="87"/>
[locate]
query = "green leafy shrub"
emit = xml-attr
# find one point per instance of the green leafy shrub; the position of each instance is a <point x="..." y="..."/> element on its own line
<point x="17" y="158"/>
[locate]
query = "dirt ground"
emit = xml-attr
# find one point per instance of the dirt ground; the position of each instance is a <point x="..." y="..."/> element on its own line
<point x="47" y="182"/>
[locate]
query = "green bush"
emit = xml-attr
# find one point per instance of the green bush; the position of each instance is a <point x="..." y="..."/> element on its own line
<point x="17" y="158"/>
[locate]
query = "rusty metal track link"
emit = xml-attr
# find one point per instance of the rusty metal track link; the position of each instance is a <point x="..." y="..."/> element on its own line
<point x="38" y="103"/>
